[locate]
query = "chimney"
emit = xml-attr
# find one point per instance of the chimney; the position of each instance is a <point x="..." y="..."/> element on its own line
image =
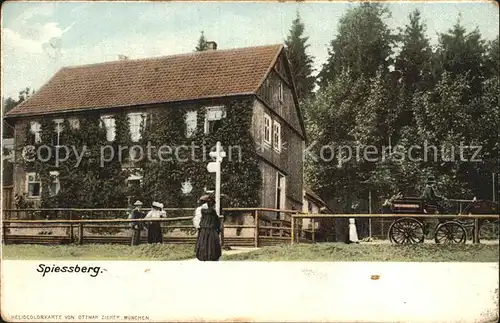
<point x="211" y="45"/>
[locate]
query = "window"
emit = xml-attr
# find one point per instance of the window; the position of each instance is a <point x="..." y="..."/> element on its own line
<point x="191" y="123"/>
<point x="213" y="118"/>
<point x="136" y="122"/>
<point x="277" y="136"/>
<point x="187" y="187"/>
<point x="267" y="129"/>
<point x="36" y="132"/>
<point x="280" y="94"/>
<point x="54" y="185"/>
<point x="33" y="185"/>
<point x="109" y="125"/>
<point x="58" y="128"/>
<point x="74" y="123"/>
<point x="134" y="181"/>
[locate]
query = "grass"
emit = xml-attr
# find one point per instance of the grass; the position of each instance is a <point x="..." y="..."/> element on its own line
<point x="99" y="252"/>
<point x="373" y="252"/>
<point x="298" y="252"/>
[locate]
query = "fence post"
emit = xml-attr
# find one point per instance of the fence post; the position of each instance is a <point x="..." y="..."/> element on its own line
<point x="71" y="234"/>
<point x="292" y="233"/>
<point x="80" y="233"/>
<point x="313" y="227"/>
<point x="476" y="231"/>
<point x="3" y="232"/>
<point x="256" y="233"/>
<point x="370" y="212"/>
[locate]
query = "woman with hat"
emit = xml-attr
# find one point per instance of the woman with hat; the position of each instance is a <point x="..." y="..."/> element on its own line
<point x="136" y="226"/>
<point x="155" y="234"/>
<point x="208" y="247"/>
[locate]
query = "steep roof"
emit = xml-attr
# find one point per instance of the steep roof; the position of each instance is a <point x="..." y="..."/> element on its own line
<point x="193" y="76"/>
<point x="313" y="195"/>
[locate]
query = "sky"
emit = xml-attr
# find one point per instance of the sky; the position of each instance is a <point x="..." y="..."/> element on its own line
<point x="39" y="38"/>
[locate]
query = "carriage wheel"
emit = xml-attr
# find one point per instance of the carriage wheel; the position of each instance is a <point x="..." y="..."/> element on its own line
<point x="450" y="232"/>
<point x="406" y="231"/>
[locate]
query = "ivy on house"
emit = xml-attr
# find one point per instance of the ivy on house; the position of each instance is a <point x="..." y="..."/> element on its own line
<point x="162" y="179"/>
<point x="86" y="180"/>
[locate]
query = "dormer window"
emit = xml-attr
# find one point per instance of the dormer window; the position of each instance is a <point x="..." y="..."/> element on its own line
<point x="213" y="118"/>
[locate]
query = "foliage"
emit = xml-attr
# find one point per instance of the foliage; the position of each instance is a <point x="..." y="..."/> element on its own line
<point x="362" y="45"/>
<point x="445" y="99"/>
<point x="462" y="53"/>
<point x="84" y="183"/>
<point x="241" y="178"/>
<point x="415" y="58"/>
<point x="300" y="62"/>
<point x="202" y="43"/>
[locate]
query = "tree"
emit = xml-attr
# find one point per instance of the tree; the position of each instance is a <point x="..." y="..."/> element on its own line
<point x="202" y="43"/>
<point x="363" y="44"/>
<point x="414" y="59"/>
<point x="462" y="53"/>
<point x="300" y="62"/>
<point x="11" y="103"/>
<point x="492" y="58"/>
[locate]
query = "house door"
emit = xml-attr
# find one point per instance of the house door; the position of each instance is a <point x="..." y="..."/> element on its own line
<point x="280" y="192"/>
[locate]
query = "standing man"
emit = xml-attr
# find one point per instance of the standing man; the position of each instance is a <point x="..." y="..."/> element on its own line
<point x="136" y="226"/>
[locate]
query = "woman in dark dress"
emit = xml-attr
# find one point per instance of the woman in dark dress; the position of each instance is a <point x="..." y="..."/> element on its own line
<point x="155" y="234"/>
<point x="208" y="246"/>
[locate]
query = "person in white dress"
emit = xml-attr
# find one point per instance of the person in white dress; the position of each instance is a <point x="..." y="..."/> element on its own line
<point x="353" y="234"/>
<point x="155" y="234"/>
<point x="197" y="212"/>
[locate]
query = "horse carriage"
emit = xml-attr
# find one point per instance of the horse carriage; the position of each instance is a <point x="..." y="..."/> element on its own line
<point x="412" y="230"/>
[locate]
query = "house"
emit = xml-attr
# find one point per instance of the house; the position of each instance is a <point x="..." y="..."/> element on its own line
<point x="323" y="227"/>
<point x="196" y="83"/>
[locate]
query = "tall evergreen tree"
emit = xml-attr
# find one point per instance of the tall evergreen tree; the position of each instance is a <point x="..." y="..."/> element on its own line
<point x="492" y="58"/>
<point x="202" y="43"/>
<point x="363" y="44"/>
<point x="301" y="63"/>
<point x="462" y="53"/>
<point x="414" y="60"/>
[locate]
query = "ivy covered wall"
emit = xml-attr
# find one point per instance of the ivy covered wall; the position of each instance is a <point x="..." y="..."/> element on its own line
<point x="87" y="182"/>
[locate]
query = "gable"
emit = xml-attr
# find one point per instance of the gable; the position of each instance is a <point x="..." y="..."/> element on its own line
<point x="268" y="92"/>
<point x="280" y="68"/>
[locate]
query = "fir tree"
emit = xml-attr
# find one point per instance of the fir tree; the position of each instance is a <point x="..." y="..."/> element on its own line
<point x="362" y="45"/>
<point x="414" y="60"/>
<point x="202" y="43"/>
<point x="300" y="62"/>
